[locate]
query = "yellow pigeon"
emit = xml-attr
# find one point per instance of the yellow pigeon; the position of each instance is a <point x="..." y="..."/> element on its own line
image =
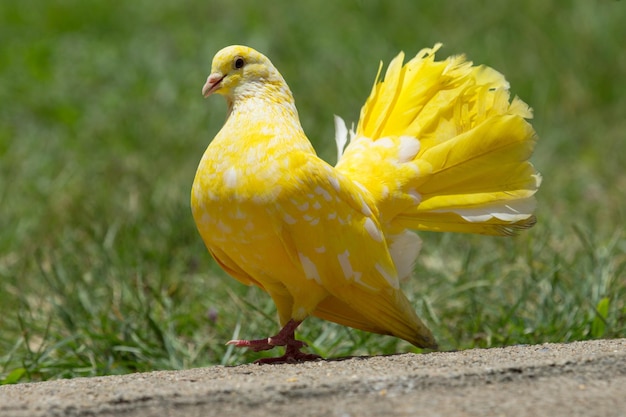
<point x="439" y="146"/>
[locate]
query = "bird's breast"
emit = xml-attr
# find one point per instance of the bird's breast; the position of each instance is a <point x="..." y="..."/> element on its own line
<point x="251" y="163"/>
<point x="235" y="195"/>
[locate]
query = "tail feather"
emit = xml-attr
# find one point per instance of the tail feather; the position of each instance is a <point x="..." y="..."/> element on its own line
<point x="441" y="147"/>
<point x="499" y="146"/>
<point x="387" y="313"/>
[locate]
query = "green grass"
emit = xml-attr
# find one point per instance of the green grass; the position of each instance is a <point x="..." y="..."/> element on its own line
<point x="102" y="125"/>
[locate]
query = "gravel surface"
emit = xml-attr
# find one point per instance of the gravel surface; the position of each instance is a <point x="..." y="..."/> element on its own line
<point x="576" y="379"/>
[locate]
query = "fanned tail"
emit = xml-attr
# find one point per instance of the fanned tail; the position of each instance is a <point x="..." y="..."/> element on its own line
<point x="441" y="147"/>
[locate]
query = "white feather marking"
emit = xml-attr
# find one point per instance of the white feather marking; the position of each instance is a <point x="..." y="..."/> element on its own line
<point x="230" y="177"/>
<point x="319" y="190"/>
<point x="413" y="167"/>
<point x="384" y="143"/>
<point x="384" y="191"/>
<point x="345" y="264"/>
<point x="372" y="229"/>
<point x="341" y="136"/>
<point x="321" y="249"/>
<point x="311" y="219"/>
<point x="408" y="148"/>
<point x="334" y="182"/>
<point x="266" y="197"/>
<point x="365" y="209"/>
<point x="361" y="186"/>
<point x="404" y="248"/>
<point x="303" y="207"/>
<point x="415" y="196"/>
<point x="197" y="193"/>
<point x="256" y="153"/>
<point x="357" y="278"/>
<point x="223" y="227"/>
<point x="511" y="211"/>
<point x="310" y="270"/>
<point x="288" y="219"/>
<point x="238" y="214"/>
<point x="391" y="279"/>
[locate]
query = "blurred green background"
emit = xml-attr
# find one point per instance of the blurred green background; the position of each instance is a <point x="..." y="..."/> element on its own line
<point x="102" y="125"/>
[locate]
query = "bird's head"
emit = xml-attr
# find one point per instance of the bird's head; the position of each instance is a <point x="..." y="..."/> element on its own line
<point x="237" y="70"/>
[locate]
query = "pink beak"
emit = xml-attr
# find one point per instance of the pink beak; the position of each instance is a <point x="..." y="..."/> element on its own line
<point x="212" y="83"/>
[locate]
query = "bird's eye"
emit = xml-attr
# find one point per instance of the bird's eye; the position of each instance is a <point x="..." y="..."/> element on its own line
<point x="238" y="63"/>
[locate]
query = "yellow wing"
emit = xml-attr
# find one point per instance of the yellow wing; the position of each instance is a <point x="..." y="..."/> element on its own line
<point x="332" y="231"/>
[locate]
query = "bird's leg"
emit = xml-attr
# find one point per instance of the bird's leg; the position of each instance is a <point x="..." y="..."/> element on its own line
<point x="286" y="337"/>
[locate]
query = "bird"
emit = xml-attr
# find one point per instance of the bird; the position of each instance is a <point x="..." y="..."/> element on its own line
<point x="439" y="146"/>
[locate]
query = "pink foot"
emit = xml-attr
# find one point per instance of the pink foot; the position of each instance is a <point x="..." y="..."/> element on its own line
<point x="286" y="337"/>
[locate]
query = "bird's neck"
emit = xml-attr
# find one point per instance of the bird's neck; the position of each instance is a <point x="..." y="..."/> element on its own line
<point x="254" y="97"/>
<point x="266" y="113"/>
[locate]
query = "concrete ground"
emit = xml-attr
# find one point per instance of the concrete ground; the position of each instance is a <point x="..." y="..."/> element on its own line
<point x="576" y="379"/>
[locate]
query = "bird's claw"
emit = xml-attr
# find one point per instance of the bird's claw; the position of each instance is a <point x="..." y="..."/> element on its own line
<point x="267" y="344"/>
<point x="284" y="338"/>
<point x="289" y="357"/>
<point x="255" y="345"/>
